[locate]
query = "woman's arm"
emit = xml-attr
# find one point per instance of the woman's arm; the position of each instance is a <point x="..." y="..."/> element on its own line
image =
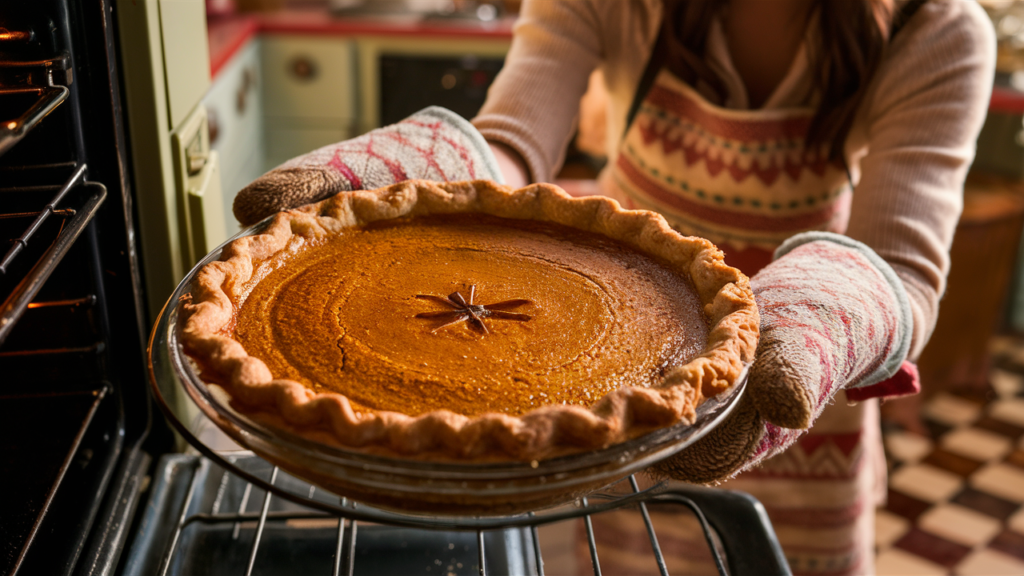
<point x="532" y="106"/>
<point x="919" y="123"/>
<point x="511" y="165"/>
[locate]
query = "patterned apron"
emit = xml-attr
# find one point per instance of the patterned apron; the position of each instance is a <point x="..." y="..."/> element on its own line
<point x="744" y="180"/>
<point x="740" y="178"/>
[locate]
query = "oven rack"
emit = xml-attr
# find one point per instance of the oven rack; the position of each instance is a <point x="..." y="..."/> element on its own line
<point x="735" y="526"/>
<point x="75" y="202"/>
<point x="729" y="521"/>
<point x="47" y="99"/>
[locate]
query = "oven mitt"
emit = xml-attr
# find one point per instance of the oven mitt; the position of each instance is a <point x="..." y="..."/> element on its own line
<point x="432" y="144"/>
<point x="834" y="316"/>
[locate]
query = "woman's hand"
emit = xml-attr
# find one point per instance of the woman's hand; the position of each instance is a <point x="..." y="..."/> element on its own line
<point x="433" y="144"/>
<point x="834" y="316"/>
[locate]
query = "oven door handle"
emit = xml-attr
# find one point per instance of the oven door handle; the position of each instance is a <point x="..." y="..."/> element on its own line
<point x="12" y="131"/>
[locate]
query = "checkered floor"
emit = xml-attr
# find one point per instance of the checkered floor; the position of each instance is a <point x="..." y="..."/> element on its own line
<point x="956" y="495"/>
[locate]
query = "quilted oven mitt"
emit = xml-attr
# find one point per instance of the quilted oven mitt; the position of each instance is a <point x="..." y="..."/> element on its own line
<point x="432" y="144"/>
<point x="834" y="316"/>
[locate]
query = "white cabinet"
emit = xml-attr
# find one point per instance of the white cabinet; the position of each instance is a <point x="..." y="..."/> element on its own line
<point x="309" y="93"/>
<point x="234" y="105"/>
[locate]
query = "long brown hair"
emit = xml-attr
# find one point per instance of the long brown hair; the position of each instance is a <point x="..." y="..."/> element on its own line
<point x="853" y="36"/>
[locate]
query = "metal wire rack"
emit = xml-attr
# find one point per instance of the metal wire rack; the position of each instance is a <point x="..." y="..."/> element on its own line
<point x="41" y="243"/>
<point x="216" y="494"/>
<point x="213" y="505"/>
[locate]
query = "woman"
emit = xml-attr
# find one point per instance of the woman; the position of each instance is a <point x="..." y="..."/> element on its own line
<point x="832" y="137"/>
<point x="748" y="122"/>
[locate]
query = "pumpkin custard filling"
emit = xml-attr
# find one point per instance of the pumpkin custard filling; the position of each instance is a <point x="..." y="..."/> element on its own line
<point x="469" y="313"/>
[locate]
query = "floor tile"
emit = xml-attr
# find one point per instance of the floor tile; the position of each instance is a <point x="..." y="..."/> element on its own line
<point x="959" y="524"/>
<point x="1016" y="521"/>
<point x="1003" y="345"/>
<point x="987" y="562"/>
<point x="896" y="562"/>
<point x="976" y="443"/>
<point x="936" y="429"/>
<point x="907" y="446"/>
<point x="905" y="505"/>
<point x="999" y="427"/>
<point x="1016" y="458"/>
<point x="955" y="463"/>
<point x="926" y="482"/>
<point x="1001" y="480"/>
<point x="888" y="528"/>
<point x="931" y="547"/>
<point x="950" y="410"/>
<point x="1006" y="384"/>
<point x="1008" y="410"/>
<point x="987" y="504"/>
<point x="1009" y="542"/>
<point x="980" y="396"/>
<point x="1017" y="356"/>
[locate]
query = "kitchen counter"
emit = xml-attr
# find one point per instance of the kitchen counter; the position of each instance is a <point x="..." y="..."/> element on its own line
<point x="229" y="34"/>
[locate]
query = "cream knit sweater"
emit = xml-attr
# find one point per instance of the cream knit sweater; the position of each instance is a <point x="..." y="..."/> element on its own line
<point x="909" y="149"/>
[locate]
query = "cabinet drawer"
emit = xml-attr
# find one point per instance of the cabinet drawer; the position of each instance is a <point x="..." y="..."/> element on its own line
<point x="307" y="77"/>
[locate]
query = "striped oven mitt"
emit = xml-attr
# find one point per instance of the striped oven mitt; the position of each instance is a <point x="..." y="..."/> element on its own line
<point x="432" y="144"/>
<point x="834" y="316"/>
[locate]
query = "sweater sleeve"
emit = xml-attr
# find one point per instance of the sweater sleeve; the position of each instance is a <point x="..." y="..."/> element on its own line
<point x="920" y="120"/>
<point x="533" y="104"/>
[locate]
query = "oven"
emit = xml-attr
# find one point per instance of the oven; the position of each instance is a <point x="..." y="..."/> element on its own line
<point x="74" y="412"/>
<point x="91" y="482"/>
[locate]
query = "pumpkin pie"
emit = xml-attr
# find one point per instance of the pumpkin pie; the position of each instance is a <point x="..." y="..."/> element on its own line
<point x="470" y="322"/>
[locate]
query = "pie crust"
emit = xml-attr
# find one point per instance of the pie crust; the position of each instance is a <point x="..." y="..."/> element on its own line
<point x="210" y="313"/>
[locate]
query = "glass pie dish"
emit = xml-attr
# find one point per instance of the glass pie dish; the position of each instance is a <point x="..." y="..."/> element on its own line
<point x="412" y="485"/>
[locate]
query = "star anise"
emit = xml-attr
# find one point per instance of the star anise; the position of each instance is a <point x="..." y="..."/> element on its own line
<point x="463" y="310"/>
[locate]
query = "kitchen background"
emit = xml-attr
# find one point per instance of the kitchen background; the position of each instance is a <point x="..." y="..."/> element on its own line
<point x="217" y="92"/>
<point x="285" y="77"/>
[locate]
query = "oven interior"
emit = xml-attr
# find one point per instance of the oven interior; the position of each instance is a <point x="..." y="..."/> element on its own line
<point x="70" y="434"/>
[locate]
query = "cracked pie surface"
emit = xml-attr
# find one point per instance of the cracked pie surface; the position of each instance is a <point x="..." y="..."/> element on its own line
<point x="469" y="321"/>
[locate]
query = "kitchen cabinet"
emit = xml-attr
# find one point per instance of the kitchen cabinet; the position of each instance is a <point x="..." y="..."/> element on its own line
<point x="183" y="30"/>
<point x="309" y="93"/>
<point x="234" y="106"/>
<point x="163" y="56"/>
<point x="286" y="84"/>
